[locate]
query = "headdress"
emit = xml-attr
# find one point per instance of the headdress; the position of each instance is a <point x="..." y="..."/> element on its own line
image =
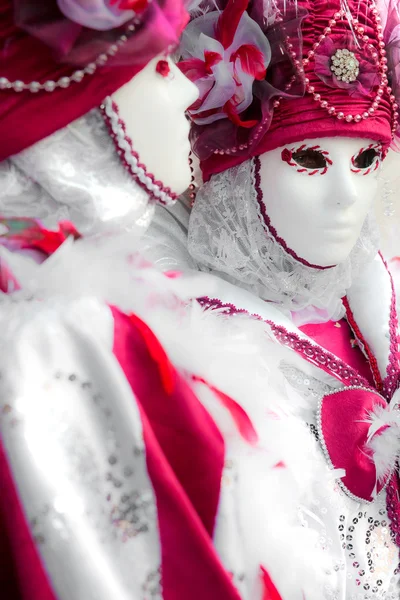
<point x="271" y="73"/>
<point x="61" y="58"/>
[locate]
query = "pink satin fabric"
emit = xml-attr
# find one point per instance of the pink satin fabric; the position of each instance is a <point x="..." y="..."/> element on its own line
<point x="185" y="458"/>
<point x="344" y="424"/>
<point x="345" y="428"/>
<point x="339" y="339"/>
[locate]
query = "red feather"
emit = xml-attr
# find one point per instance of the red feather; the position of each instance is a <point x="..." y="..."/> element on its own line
<point x="270" y="591"/>
<point x="193" y="68"/>
<point x="251" y="61"/>
<point x="211" y="59"/>
<point x="240" y="417"/>
<point x="228" y="21"/>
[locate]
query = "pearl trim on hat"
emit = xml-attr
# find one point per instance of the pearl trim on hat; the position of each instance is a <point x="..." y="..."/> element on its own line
<point x="78" y="75"/>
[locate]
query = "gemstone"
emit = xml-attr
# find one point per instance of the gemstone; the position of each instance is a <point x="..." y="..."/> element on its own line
<point x="345" y="65"/>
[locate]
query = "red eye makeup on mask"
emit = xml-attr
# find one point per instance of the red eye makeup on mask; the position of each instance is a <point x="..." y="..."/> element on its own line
<point x="367" y="160"/>
<point x="311" y="160"/>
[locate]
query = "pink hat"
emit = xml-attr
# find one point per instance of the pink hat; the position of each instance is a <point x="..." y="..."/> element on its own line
<point x="270" y="75"/>
<point x="61" y="58"/>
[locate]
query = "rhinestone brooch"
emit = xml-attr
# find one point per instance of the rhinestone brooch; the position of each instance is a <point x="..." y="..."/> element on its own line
<point x="345" y="66"/>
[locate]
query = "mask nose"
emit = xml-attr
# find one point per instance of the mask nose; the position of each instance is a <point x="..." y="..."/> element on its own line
<point x="345" y="191"/>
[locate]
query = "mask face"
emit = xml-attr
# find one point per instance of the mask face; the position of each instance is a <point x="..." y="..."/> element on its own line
<point x="317" y="194"/>
<point x="152" y="106"/>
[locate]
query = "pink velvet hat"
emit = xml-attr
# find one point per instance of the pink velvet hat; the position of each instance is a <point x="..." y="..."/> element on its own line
<point x="61" y="58"/>
<point x="272" y="73"/>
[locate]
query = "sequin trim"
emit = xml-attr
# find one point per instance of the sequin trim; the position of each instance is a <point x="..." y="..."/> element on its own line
<point x="130" y="159"/>
<point x="393" y="507"/>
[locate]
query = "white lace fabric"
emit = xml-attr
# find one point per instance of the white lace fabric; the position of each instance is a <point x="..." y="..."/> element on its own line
<point x="228" y="235"/>
<point x="74" y="174"/>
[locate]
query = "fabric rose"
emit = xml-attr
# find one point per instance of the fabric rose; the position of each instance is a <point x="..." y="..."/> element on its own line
<point x="360" y="61"/>
<point x="101" y="14"/>
<point x="224" y="53"/>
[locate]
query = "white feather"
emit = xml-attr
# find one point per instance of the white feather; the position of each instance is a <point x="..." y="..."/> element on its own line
<point x="385" y="445"/>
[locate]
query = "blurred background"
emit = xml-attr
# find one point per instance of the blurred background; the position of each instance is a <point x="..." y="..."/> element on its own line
<point x="387" y="206"/>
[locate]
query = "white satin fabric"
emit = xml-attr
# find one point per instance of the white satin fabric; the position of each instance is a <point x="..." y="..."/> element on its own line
<point x="75" y="174"/>
<point x="72" y="432"/>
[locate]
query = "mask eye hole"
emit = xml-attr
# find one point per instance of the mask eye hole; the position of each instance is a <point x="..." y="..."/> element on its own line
<point x="310" y="159"/>
<point x="366" y="158"/>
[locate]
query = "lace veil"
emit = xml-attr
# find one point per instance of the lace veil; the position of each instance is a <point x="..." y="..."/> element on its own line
<point x="228" y="235"/>
<point x="74" y="174"/>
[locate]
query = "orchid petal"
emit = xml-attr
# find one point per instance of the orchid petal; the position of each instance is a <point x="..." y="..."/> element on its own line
<point x="228" y="21"/>
<point x="249" y="32"/>
<point x="193" y="68"/>
<point x="251" y="60"/>
<point x="224" y="87"/>
<point x="193" y="42"/>
<point x="208" y="44"/>
<point x="245" y="92"/>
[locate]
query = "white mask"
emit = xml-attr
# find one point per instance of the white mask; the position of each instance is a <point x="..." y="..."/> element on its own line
<point x="233" y="232"/>
<point x="153" y="106"/>
<point x="317" y="194"/>
<point x="76" y="174"/>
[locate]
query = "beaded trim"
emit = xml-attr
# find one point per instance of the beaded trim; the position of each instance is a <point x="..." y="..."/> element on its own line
<point x="314" y="354"/>
<point x="192" y="186"/>
<point x="78" y="75"/>
<point x="326" y="452"/>
<point x="130" y="158"/>
<point x="378" y="54"/>
<point x="266" y="222"/>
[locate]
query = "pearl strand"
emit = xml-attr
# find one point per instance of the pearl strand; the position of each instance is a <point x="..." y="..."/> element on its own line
<point x="192" y="186"/>
<point x="77" y="76"/>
